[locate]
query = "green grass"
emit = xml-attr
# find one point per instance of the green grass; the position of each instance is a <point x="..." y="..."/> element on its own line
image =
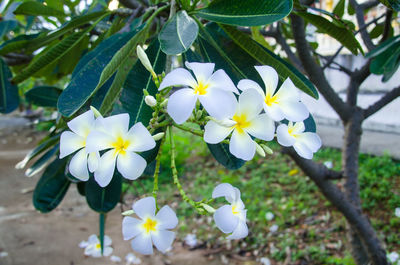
<point x="309" y="227"/>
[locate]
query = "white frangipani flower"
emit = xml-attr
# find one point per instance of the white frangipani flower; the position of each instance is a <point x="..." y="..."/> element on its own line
<point x="132" y="259"/>
<point x="281" y="104"/>
<point x="213" y="90"/>
<point x="246" y="121"/>
<point x="150" y="228"/>
<point x="115" y="259"/>
<point x="230" y="218"/>
<point x="269" y="216"/>
<point x="76" y="139"/>
<point x="190" y="240"/>
<point x="93" y="248"/>
<point x="265" y="261"/>
<point x="305" y="143"/>
<point x="273" y="228"/>
<point x="397" y="212"/>
<point x="393" y="257"/>
<point x="122" y="143"/>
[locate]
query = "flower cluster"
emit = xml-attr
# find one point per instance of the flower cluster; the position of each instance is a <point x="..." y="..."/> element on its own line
<point x="252" y="116"/>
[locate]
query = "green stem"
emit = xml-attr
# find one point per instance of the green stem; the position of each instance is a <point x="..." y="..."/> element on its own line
<point x="188" y="129"/>
<point x="157" y="170"/>
<point x="102" y="221"/>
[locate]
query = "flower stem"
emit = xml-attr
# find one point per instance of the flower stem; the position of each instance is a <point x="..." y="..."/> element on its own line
<point x="157" y="170"/>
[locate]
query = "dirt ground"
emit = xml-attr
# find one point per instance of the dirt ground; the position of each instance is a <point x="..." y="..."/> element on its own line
<point x="29" y="237"/>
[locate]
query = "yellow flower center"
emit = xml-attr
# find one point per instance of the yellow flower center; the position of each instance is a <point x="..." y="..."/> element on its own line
<point x="241" y="122"/>
<point x="235" y="210"/>
<point x="120" y="145"/>
<point x="98" y="246"/>
<point x="291" y="131"/>
<point x="201" y="88"/>
<point x="269" y="99"/>
<point x="150" y="225"/>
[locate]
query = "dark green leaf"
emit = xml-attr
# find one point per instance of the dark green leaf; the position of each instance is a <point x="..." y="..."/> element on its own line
<point x="388" y="44"/>
<point x="343" y="35"/>
<point x="41" y="162"/>
<point x="52" y="187"/>
<point x="81" y="187"/>
<point x="34" y="8"/>
<point x="87" y="73"/>
<point x="224" y="157"/>
<point x="9" y="99"/>
<point x="45" y="96"/>
<point x="178" y="33"/>
<point x="246" y="13"/>
<point x="339" y="8"/>
<point x="100" y="199"/>
<point x="6" y="26"/>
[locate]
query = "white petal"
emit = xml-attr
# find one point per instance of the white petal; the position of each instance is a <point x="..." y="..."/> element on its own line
<point x="181" y="104"/>
<point x="202" y="71"/>
<point x="78" y="166"/>
<point x="220" y="80"/>
<point x="131" y="165"/>
<point x="219" y="104"/>
<point x="294" y="110"/>
<point x="167" y="218"/>
<point x="311" y="140"/>
<point x="262" y="127"/>
<point x="250" y="104"/>
<point x="298" y="127"/>
<point x="303" y="150"/>
<point x="82" y="124"/>
<point x="97" y="141"/>
<point x="142" y="244"/>
<point x="145" y="207"/>
<point x="225" y="220"/>
<point x="116" y="125"/>
<point x="83" y="244"/>
<point x="288" y="91"/>
<point x="240" y="231"/>
<point x="226" y="190"/>
<point x="93" y="239"/>
<point x="163" y="239"/>
<point x="242" y="146"/>
<point x="107" y="240"/>
<point x="178" y="77"/>
<point x="96" y="253"/>
<point x="93" y="161"/>
<point x="269" y="76"/>
<point x="245" y="84"/>
<point x="215" y="133"/>
<point x="131" y="227"/>
<point x="140" y="138"/>
<point x="274" y="112"/>
<point x="283" y="136"/>
<point x="105" y="170"/>
<point x="89" y="250"/>
<point x="107" y="251"/>
<point x="69" y="143"/>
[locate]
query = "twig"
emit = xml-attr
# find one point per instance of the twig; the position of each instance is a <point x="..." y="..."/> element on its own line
<point x="382" y="102"/>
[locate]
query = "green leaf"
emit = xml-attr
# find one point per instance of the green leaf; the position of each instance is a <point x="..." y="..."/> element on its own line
<point x="178" y="33"/>
<point x="392" y="4"/>
<point x="45" y="96"/>
<point x="388" y="44"/>
<point x="132" y="97"/>
<point x="34" y="8"/>
<point x="224" y="157"/>
<point x="81" y="187"/>
<point x="386" y="63"/>
<point x="340" y="33"/>
<point x="100" y="199"/>
<point x="266" y="57"/>
<point x="246" y="13"/>
<point x="87" y="74"/>
<point x="9" y="99"/>
<point x="52" y="187"/>
<point x="339" y="8"/>
<point x="41" y="162"/>
<point x="6" y="26"/>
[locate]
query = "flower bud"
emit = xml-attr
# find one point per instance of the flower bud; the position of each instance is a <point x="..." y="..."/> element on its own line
<point x="158" y="136"/>
<point x="267" y="149"/>
<point x="260" y="150"/>
<point x="145" y="61"/>
<point x="225" y="122"/>
<point x="150" y="101"/>
<point x="199" y="113"/>
<point x="208" y="208"/>
<point x="95" y="112"/>
<point x="129" y="212"/>
<point x="164" y="103"/>
<point x="113" y="5"/>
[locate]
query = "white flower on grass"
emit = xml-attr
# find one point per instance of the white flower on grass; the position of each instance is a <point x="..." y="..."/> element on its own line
<point x="246" y="121"/>
<point x="305" y="143"/>
<point x="190" y="240"/>
<point x="213" y="90"/>
<point x="76" y="139"/>
<point x="281" y="104"/>
<point x="132" y="259"/>
<point x="269" y="216"/>
<point x="115" y="259"/>
<point x="93" y="248"/>
<point x="273" y="228"/>
<point x="150" y="228"/>
<point x="230" y="218"/>
<point x="393" y="257"/>
<point x="122" y="144"/>
<point x="265" y="261"/>
<point x="397" y="212"/>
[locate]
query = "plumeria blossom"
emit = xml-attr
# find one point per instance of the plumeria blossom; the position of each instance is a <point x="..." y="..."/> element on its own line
<point x="93" y="247"/>
<point x="121" y="144"/>
<point x="76" y="139"/>
<point x="213" y="90"/>
<point x="151" y="228"/>
<point x="281" y="104"/>
<point x="246" y="121"/>
<point x="305" y="143"/>
<point x="230" y="218"/>
<point x="132" y="259"/>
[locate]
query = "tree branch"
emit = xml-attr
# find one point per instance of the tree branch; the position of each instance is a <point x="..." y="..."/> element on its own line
<point x="292" y="57"/>
<point x="314" y="71"/>
<point x="388" y="25"/>
<point x="382" y="102"/>
<point x="356" y="80"/>
<point x="361" y="24"/>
